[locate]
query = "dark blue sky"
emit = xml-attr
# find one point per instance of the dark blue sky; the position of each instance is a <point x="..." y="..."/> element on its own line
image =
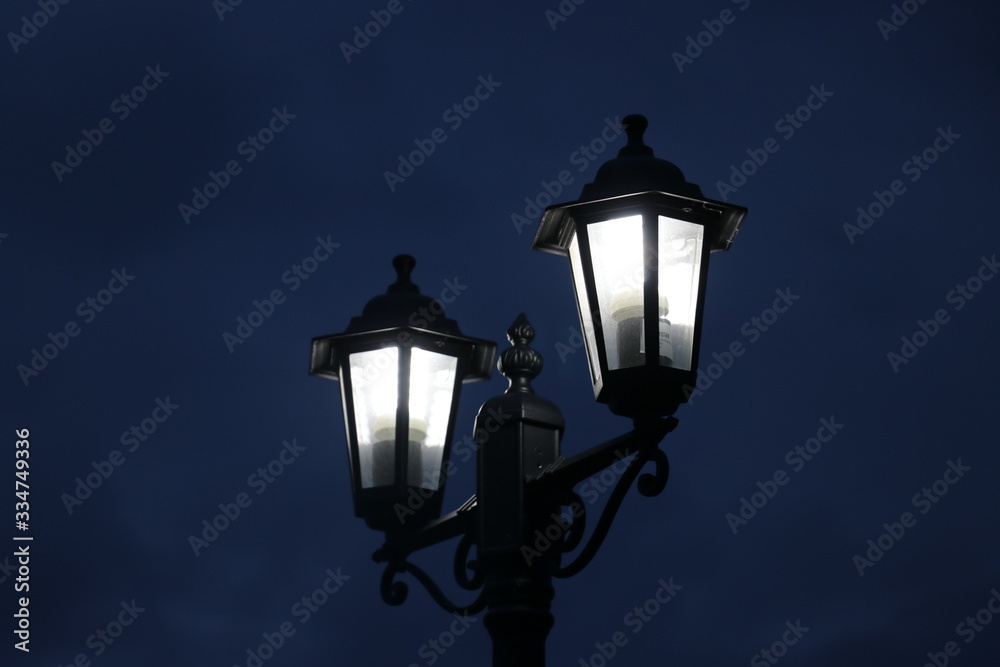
<point x="136" y="283"/>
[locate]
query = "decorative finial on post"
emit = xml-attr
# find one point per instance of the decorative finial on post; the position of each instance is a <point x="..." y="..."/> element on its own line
<point x="520" y="363"/>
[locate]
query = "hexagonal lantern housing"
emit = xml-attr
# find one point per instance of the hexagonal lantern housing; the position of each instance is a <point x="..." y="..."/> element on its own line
<point x="400" y="387"/>
<point x="638" y="241"/>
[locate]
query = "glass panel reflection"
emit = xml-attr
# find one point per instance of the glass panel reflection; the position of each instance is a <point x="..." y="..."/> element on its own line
<point x="374" y="378"/>
<point x="679" y="252"/>
<point x="616" y="249"/>
<point x="432" y="384"/>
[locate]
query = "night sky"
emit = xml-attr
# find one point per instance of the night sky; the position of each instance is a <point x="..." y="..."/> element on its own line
<point x="172" y="170"/>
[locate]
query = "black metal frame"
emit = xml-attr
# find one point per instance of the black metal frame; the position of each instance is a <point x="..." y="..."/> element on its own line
<point x="508" y="510"/>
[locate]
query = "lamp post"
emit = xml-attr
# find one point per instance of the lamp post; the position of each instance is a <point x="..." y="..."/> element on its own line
<point x="638" y="241"/>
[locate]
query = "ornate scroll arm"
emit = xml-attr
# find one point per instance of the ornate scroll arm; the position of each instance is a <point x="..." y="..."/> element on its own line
<point x="395" y="592"/>
<point x="649" y="485"/>
<point x="399" y="546"/>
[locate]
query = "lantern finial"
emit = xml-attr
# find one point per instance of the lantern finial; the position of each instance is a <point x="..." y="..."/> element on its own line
<point x="636" y="169"/>
<point x="404" y="265"/>
<point x="520" y="362"/>
<point x="635" y="125"/>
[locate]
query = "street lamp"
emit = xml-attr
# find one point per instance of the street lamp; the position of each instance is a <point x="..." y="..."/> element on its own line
<point x="400" y="386"/>
<point x="638" y="242"/>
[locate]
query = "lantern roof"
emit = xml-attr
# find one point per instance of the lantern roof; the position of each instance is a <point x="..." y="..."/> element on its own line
<point x="636" y="173"/>
<point x="636" y="169"/>
<point x="403" y="315"/>
<point x="403" y="305"/>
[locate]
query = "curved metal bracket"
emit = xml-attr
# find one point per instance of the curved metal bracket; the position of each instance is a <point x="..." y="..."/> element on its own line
<point x="398" y="547"/>
<point x="463" y="564"/>
<point x="649" y="485"/>
<point x="395" y="592"/>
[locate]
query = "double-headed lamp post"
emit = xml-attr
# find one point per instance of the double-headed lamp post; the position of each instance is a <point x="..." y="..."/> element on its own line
<point x="638" y="241"/>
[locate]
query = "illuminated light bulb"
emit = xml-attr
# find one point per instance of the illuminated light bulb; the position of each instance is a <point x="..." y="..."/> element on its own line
<point x="626" y="310"/>
<point x="384" y="450"/>
<point x="415" y="461"/>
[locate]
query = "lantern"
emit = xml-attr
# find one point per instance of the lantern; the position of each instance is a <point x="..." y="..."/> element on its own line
<point x="400" y="386"/>
<point x="638" y="241"/>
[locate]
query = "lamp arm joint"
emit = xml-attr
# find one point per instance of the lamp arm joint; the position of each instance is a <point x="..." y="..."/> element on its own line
<point x="566" y="473"/>
<point x="401" y="543"/>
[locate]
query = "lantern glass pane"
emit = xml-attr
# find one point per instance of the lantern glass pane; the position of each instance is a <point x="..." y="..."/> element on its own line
<point x="679" y="268"/>
<point x="616" y="249"/>
<point x="375" y="383"/>
<point x="586" y="313"/>
<point x="432" y="387"/>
